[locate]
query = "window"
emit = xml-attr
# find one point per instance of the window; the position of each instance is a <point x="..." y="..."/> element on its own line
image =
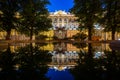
<point x="60" y="20"/>
<point x="65" y="20"/>
<point x="55" y="20"/>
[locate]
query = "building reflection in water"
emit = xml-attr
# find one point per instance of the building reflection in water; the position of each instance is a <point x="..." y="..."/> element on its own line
<point x="99" y="50"/>
<point x="65" y="55"/>
<point x="72" y="60"/>
<point x="63" y="59"/>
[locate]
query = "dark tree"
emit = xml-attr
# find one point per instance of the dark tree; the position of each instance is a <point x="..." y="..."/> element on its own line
<point x="111" y="12"/>
<point x="87" y="12"/>
<point x="8" y="19"/>
<point x="34" y="17"/>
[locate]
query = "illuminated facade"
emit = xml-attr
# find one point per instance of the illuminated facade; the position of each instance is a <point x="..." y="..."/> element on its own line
<point x="49" y="33"/>
<point x="62" y="19"/>
<point x="64" y="24"/>
<point x="14" y="35"/>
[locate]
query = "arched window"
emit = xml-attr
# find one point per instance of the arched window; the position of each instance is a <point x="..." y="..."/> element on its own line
<point x="55" y="20"/>
<point x="65" y="20"/>
<point x="60" y="19"/>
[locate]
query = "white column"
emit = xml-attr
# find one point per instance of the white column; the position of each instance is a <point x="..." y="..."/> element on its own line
<point x="62" y="22"/>
<point x="57" y="21"/>
<point x="67" y="23"/>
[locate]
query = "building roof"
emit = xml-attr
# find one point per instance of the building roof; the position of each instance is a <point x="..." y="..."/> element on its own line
<point x="60" y="13"/>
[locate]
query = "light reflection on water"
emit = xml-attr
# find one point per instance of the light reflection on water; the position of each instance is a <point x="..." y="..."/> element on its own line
<point x="51" y="60"/>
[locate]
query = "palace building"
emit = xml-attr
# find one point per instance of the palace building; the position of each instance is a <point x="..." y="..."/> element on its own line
<point x="64" y="26"/>
<point x="62" y="19"/>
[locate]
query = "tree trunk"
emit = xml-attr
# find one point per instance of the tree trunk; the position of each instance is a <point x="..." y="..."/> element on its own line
<point x="114" y="22"/>
<point x="90" y="49"/>
<point x="31" y="33"/>
<point x="8" y="34"/>
<point x="113" y="34"/>
<point x="89" y="33"/>
<point x="31" y="48"/>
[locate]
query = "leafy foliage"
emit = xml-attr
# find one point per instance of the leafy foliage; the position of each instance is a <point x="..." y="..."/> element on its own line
<point x="80" y="36"/>
<point x="41" y="37"/>
<point x="111" y="14"/>
<point x="34" y="17"/>
<point x="87" y="14"/>
<point x="8" y="20"/>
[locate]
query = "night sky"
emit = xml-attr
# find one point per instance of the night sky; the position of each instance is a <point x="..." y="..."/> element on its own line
<point x="56" y="5"/>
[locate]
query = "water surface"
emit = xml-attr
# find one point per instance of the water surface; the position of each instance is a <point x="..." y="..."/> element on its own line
<point x="59" y="61"/>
